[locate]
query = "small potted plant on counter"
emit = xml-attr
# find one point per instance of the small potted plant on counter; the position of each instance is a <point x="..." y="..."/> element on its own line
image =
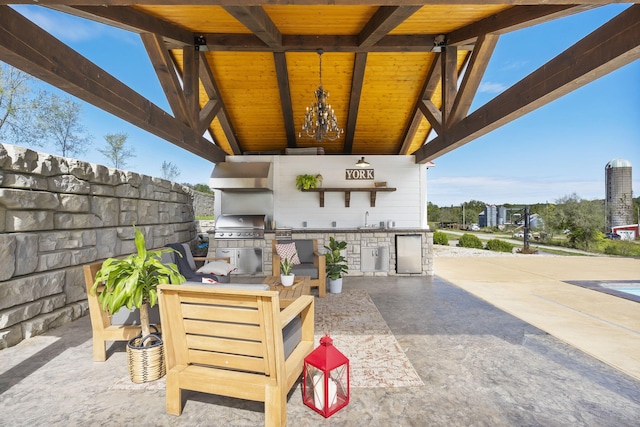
<point x="336" y="264"/>
<point x="286" y="275"/>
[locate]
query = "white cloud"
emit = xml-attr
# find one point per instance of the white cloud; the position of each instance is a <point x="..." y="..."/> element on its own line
<point x="491" y="87"/>
<point x="515" y="65"/>
<point x="448" y="191"/>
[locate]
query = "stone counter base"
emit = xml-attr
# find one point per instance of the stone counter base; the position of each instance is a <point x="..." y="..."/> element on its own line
<point x="357" y="241"/>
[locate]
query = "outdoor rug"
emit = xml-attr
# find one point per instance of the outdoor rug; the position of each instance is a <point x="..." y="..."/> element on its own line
<point x="360" y="333"/>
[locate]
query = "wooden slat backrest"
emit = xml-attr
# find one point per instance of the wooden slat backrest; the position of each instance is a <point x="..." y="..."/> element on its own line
<point x="224" y="329"/>
<point x="98" y="316"/>
<point x="101" y="327"/>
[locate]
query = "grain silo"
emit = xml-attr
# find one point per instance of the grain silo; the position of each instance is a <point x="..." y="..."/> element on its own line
<point x="619" y="198"/>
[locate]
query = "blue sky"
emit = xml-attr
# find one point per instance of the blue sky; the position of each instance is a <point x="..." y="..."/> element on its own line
<point x="554" y="151"/>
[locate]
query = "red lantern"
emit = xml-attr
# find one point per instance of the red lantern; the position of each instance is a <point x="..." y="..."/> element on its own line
<point x="325" y="386"/>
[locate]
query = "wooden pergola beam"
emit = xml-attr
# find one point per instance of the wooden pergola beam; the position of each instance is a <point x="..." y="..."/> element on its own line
<point x="191" y="84"/>
<point x="613" y="45"/>
<point x="478" y="62"/>
<point x="421" y="108"/>
<point x="211" y="88"/>
<point x="167" y="75"/>
<point x="329" y="43"/>
<point x="257" y="20"/>
<point x="285" y="97"/>
<point x="382" y="22"/>
<point x="512" y="19"/>
<point x="73" y="73"/>
<point x="359" y="67"/>
<point x="130" y="19"/>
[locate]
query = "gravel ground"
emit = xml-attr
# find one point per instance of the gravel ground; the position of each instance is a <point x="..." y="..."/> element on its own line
<point x="455" y="251"/>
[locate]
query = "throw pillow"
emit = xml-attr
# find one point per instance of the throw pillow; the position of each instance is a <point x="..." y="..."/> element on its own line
<point x="288" y="251"/>
<point x="219" y="268"/>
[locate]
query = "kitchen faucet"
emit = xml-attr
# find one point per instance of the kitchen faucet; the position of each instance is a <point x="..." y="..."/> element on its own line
<point x="366" y="216"/>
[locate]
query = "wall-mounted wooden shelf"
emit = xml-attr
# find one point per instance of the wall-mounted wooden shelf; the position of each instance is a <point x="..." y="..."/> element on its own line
<point x="347" y="193"/>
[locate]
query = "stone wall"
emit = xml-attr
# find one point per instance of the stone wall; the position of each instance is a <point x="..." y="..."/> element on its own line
<point x="57" y="214"/>
<point x="203" y="203"/>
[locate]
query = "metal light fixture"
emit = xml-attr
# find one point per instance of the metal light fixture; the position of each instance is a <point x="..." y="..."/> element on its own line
<point x="439" y="43"/>
<point x="320" y="121"/>
<point x="362" y="163"/>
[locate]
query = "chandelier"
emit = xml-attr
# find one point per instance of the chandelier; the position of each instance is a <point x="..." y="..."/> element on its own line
<point x="320" y="120"/>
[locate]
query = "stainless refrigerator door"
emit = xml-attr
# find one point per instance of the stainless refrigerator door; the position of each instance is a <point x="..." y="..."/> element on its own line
<point x="246" y="260"/>
<point x="408" y="253"/>
<point x="250" y="261"/>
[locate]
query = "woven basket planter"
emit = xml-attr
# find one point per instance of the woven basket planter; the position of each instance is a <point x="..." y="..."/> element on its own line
<point x="146" y="363"/>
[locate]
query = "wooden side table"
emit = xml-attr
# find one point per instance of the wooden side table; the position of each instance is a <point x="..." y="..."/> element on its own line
<point x="288" y="294"/>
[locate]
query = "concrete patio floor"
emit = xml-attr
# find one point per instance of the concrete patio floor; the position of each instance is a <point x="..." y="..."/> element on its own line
<point x="500" y="358"/>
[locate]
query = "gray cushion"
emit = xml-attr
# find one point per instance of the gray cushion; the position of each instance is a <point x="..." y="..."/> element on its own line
<point x="189" y="256"/>
<point x="305" y="270"/>
<point x="292" y="335"/>
<point x="168" y="257"/>
<point x="246" y="286"/>
<point x="305" y="250"/>
<point x="124" y="316"/>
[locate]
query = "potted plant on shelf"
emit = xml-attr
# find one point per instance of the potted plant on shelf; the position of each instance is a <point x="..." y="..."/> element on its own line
<point x="305" y="182"/>
<point x="336" y="264"/>
<point x="286" y="275"/>
<point x="133" y="282"/>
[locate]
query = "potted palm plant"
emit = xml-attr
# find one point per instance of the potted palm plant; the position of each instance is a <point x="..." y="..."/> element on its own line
<point x="132" y="282"/>
<point x="286" y="275"/>
<point x="336" y="264"/>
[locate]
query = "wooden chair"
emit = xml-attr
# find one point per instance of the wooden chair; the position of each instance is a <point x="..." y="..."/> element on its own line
<point x="101" y="322"/>
<point x="313" y="263"/>
<point x="230" y="342"/>
<point x="109" y="328"/>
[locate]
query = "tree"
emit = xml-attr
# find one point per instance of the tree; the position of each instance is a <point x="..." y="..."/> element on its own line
<point x="170" y="171"/>
<point x="18" y="106"/>
<point x="433" y="212"/>
<point x="61" y="123"/>
<point x="115" y="151"/>
<point x="471" y="211"/>
<point x="584" y="220"/>
<point x="203" y="188"/>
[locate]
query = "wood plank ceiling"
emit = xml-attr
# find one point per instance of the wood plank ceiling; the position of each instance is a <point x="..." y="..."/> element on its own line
<point x="244" y="71"/>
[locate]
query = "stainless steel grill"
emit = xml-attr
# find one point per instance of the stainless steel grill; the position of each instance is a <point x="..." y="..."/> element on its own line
<point x="240" y="227"/>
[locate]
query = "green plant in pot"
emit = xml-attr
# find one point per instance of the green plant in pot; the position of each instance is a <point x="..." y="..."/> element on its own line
<point x="305" y="182"/>
<point x="336" y="264"/>
<point x="286" y="272"/>
<point x="132" y="282"/>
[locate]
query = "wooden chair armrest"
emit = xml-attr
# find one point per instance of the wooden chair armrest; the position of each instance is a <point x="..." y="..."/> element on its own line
<point x="275" y="264"/>
<point x="294" y="309"/>
<point x="320" y="262"/>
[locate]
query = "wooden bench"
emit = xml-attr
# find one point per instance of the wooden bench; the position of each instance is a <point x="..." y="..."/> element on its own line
<point x="230" y="342"/>
<point x="102" y="328"/>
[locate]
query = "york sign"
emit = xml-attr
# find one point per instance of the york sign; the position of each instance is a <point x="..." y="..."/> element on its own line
<point x="359" y="173"/>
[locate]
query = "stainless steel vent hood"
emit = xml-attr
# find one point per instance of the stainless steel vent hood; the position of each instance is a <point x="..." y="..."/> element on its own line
<point x="242" y="176"/>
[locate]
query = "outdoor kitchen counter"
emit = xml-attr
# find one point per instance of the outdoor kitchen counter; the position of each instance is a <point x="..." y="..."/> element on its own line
<point x="370" y="251"/>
